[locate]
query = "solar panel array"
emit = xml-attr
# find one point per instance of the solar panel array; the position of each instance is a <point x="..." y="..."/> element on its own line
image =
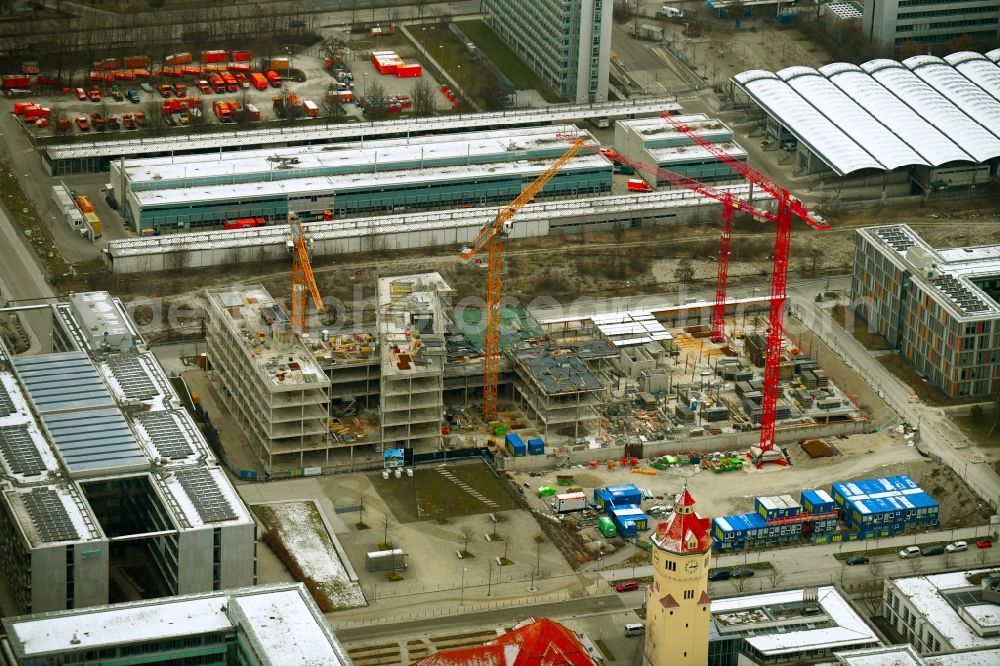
<point x="62" y="381"/>
<point x="896" y="238"/>
<point x="49" y="515"/>
<point x="166" y="434"/>
<point x="94" y="439"/>
<point x="6" y="404"/>
<point x="966" y="300"/>
<point x="132" y="376"/>
<point x="211" y="505"/>
<point x="18" y="449"/>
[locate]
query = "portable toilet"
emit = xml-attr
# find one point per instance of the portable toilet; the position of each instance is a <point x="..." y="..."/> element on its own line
<point x="607" y="527"/>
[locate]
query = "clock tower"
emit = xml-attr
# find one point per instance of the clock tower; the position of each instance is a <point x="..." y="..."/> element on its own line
<point x="678" y="609"/>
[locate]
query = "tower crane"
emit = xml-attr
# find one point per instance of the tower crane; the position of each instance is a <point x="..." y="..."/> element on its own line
<point x="302" y="274"/>
<point x="730" y="205"/>
<point x="491" y="237"/>
<point x="788" y="206"/>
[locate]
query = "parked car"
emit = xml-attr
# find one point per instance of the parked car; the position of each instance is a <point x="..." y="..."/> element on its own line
<point x="627" y="586"/>
<point x="742" y="572"/>
<point x="932" y="550"/>
<point x="147" y="86"/>
<point x="81" y="94"/>
<point x="94" y="94"/>
<point x="957" y="547"/>
<point x="82" y="123"/>
<point x="117" y="94"/>
<point x="133" y="96"/>
<point x="984" y="542"/>
<point x="908" y="552"/>
<point x="855" y="560"/>
<point x="720" y="574"/>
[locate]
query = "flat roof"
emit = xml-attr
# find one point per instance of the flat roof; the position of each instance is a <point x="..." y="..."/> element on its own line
<point x="889" y="655"/>
<point x="331" y="159"/>
<point x="52" y="514"/>
<point x="411" y="324"/>
<point x="24" y="452"/>
<point x="924" y="593"/>
<point x="627" y="329"/>
<point x="985" y="657"/>
<point x="884" y="114"/>
<point x="680" y="154"/>
<point x="558" y="370"/>
<point x="653" y="129"/>
<point x="425" y="220"/>
<point x="845" y="628"/>
<point x="263" y="327"/>
<point x="953" y="271"/>
<point x="355" y="181"/>
<point x="281" y="622"/>
<point x="310" y="132"/>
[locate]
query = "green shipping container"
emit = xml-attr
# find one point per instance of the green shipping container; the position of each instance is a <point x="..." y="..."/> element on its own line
<point x="607" y="527"/>
<point x="546" y="491"/>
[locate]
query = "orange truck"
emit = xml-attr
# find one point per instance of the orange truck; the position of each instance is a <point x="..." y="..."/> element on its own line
<point x="231" y="83"/>
<point x="273" y="78"/>
<point x="217" y="82"/>
<point x="222" y="112"/>
<point x="179" y="59"/>
<point x="258" y="80"/>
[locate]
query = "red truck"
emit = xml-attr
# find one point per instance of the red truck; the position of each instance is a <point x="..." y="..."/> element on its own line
<point x="217" y="82"/>
<point x="214" y="56"/>
<point x="637" y="185"/>
<point x="16" y="81"/>
<point x="222" y="112"/>
<point x="273" y="78"/>
<point x="258" y="81"/>
<point x="231" y="84"/>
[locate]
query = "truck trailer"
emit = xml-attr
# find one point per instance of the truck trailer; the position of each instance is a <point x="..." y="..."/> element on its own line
<point x="386" y="560"/>
<point x="567" y="502"/>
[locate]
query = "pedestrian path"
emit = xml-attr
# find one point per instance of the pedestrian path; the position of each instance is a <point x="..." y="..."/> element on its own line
<point x="448" y="474"/>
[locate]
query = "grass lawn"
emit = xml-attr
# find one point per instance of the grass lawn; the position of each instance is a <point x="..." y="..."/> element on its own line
<point x="429" y="495"/>
<point x="898" y="366"/>
<point x="452" y="56"/>
<point x="870" y="340"/>
<point x="980" y="432"/>
<point x="506" y="60"/>
<point x="22" y="212"/>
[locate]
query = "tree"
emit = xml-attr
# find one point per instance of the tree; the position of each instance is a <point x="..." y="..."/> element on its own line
<point x="420" y="4"/>
<point x="815" y="253"/>
<point x="976" y="414"/>
<point x="332" y="109"/>
<point x="422" y="95"/>
<point x="963" y="42"/>
<point x="386" y="529"/>
<point x="870" y="590"/>
<point x="684" y="272"/>
<point x="376" y="102"/>
<point x="909" y="48"/>
<point x="774" y="577"/>
<point x="467" y="531"/>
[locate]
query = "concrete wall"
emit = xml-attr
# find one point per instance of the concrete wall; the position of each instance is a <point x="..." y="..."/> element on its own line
<point x="741" y="441"/>
<point x="239" y="555"/>
<point x="48" y="579"/>
<point x="194" y="561"/>
<point x="90" y="573"/>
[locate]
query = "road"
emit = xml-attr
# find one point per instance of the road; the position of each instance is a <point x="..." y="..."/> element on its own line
<point x="938" y="435"/>
<point x="21" y="275"/>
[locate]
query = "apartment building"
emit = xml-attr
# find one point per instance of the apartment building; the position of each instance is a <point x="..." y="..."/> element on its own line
<point x="938" y="308"/>
<point x="890" y="23"/>
<point x="566" y="42"/>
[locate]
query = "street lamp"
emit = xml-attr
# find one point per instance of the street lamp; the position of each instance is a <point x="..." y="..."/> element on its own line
<point x="459" y="77"/>
<point x="461" y="599"/>
<point x="289" y="52"/>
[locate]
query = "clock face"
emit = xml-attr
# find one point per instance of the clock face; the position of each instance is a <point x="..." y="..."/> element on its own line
<point x="691" y="566"/>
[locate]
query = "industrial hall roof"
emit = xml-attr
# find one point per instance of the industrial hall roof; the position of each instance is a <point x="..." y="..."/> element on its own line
<point x="533" y="642"/>
<point x="883" y="115"/>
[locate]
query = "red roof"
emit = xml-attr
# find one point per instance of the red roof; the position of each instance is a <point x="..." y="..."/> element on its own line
<point x="669" y="602"/>
<point x="684" y="531"/>
<point x="533" y="643"/>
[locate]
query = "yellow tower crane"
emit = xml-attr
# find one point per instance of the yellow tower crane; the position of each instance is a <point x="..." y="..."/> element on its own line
<point x="490" y="237"/>
<point x="302" y="275"/>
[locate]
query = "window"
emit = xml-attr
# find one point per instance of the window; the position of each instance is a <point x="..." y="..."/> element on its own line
<point x="671" y="566"/>
<point x="689" y="594"/>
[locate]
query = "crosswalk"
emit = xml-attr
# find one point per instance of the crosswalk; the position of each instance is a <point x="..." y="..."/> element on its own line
<point x="447" y="473"/>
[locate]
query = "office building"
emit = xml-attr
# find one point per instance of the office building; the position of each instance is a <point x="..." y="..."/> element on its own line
<point x="947" y="611"/>
<point x="270" y="625"/>
<point x="108" y="491"/>
<point x="566" y="42"/>
<point x="891" y="23"/>
<point x="267" y="376"/>
<point x="938" y="308"/>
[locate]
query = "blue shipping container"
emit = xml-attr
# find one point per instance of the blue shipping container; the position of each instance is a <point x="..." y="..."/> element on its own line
<point x="515" y="445"/>
<point x="536" y="446"/>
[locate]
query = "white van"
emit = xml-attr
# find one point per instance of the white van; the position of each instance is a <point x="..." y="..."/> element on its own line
<point x="634" y="629"/>
<point x="670" y="12"/>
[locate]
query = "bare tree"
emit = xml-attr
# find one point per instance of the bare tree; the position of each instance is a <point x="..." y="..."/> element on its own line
<point x="386" y="529"/>
<point x="684" y="273"/>
<point x="422" y="95"/>
<point x="870" y="589"/>
<point x="774" y="577"/>
<point x="420" y="5"/>
<point x="467" y="531"/>
<point x="376" y="101"/>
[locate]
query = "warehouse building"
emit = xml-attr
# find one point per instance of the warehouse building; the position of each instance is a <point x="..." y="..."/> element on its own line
<point x="652" y="141"/>
<point x="925" y="125"/>
<point x="96" y="156"/>
<point x="891" y="23"/>
<point x="455" y="227"/>
<point x="939" y="308"/>
<point x="108" y="490"/>
<point x="567" y="43"/>
<point x="885" y="506"/>
<point x="270" y="625"/>
<point x="947" y="611"/>
<point x="269" y="379"/>
<point x="391" y="175"/>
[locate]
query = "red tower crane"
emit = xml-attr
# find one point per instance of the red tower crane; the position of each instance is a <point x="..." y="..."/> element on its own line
<point x="788" y="205"/>
<point x="730" y="204"/>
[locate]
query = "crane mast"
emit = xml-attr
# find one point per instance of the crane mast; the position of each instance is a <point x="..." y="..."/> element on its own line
<point x="491" y="237"/>
<point x="303" y="281"/>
